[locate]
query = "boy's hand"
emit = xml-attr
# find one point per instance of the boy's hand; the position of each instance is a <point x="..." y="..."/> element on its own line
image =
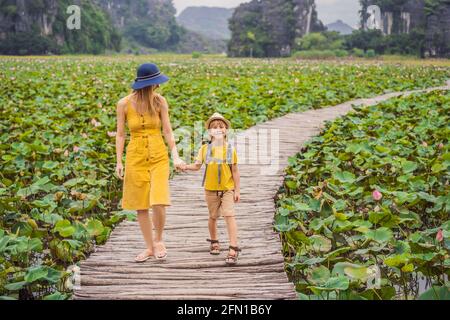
<point x="237" y="196"/>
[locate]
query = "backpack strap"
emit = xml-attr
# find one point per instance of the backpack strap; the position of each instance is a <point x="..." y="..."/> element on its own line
<point x="207" y="160"/>
<point x="208" y="153"/>
<point x="228" y="157"/>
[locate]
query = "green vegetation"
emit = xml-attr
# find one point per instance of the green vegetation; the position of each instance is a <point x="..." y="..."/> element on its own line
<point x="320" y="45"/>
<point x="196" y="54"/>
<point x="371" y="191"/>
<point x="360" y="43"/>
<point x="267" y="28"/>
<point x="95" y="36"/>
<point x="403" y="44"/>
<point x="151" y="24"/>
<point x="148" y="24"/>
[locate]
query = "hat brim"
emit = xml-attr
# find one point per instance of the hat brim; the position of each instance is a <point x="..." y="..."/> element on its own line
<point x="208" y="122"/>
<point x="150" y="82"/>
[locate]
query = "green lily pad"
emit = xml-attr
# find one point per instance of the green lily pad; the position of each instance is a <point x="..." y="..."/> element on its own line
<point x="379" y="235"/>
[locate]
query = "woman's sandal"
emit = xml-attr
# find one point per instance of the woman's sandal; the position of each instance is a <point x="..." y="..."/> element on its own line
<point x="144" y="257"/>
<point x="158" y="255"/>
<point x="232" y="259"/>
<point x="214" y="248"/>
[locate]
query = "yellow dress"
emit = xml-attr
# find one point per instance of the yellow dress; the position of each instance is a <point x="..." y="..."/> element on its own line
<point x="146" y="176"/>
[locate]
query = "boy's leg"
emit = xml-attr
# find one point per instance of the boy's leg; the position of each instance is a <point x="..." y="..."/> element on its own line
<point x="230" y="220"/>
<point x="232" y="230"/>
<point x="212" y="226"/>
<point x="213" y="203"/>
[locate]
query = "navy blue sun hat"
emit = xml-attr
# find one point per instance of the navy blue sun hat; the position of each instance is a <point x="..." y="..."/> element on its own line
<point x="148" y="74"/>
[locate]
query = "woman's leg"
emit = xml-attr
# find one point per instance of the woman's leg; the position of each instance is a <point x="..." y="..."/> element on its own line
<point x="145" y="223"/>
<point x="159" y="221"/>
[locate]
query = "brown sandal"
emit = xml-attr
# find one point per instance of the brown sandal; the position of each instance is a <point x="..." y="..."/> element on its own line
<point x="232" y="259"/>
<point x="214" y="249"/>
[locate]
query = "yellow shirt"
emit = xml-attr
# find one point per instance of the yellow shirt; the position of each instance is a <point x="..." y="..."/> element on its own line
<point x="212" y="175"/>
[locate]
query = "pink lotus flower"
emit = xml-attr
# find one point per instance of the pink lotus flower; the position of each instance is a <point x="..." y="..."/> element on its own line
<point x="439" y="236"/>
<point x="95" y="123"/>
<point x="376" y="195"/>
<point x="76" y="149"/>
<point x="112" y="133"/>
<point x="441" y="145"/>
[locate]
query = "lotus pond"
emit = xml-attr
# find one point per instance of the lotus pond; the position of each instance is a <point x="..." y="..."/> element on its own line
<point x="364" y="210"/>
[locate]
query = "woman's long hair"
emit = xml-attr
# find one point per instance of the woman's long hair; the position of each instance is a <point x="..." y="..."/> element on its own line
<point x="147" y="100"/>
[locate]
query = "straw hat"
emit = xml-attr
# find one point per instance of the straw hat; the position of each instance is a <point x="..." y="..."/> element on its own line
<point x="217" y="116"/>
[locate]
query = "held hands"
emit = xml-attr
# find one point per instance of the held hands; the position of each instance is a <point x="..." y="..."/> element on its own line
<point x="179" y="164"/>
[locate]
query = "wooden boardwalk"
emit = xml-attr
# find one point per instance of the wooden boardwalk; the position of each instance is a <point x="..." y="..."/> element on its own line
<point x="190" y="272"/>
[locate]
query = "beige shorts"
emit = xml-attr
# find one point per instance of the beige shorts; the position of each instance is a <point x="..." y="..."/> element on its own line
<point x="220" y="203"/>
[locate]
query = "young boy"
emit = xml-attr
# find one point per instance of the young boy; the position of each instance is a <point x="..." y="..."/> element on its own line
<point x="221" y="181"/>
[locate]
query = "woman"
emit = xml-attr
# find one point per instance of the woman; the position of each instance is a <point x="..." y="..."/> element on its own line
<point x="146" y="179"/>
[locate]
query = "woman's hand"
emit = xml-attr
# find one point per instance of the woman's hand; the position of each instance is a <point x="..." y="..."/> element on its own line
<point x="237" y="195"/>
<point x="179" y="164"/>
<point x="119" y="170"/>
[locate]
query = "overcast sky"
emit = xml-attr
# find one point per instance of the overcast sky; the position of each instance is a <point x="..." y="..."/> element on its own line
<point x="329" y="10"/>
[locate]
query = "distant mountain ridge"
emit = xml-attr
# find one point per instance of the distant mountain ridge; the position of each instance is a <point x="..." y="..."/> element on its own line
<point x="340" y="26"/>
<point x="211" y="22"/>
